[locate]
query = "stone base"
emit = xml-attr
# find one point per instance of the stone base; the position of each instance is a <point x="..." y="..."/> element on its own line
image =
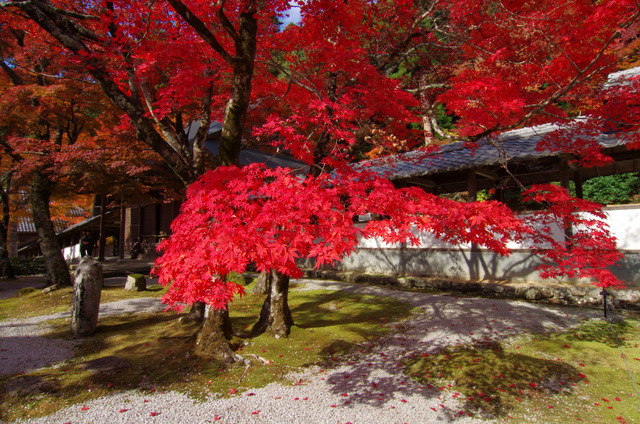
<point x="550" y="293"/>
<point x="136" y="282"/>
<point x="105" y="364"/>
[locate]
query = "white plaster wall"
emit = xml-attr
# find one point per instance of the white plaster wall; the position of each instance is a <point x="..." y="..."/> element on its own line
<point x="623" y="222"/>
<point x="72" y="252"/>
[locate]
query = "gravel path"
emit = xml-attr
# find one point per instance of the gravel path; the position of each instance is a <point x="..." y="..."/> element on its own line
<point x="368" y="388"/>
<point x="9" y="288"/>
<point x="24" y="349"/>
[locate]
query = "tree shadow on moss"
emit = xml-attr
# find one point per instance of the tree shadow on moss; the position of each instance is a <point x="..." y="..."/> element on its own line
<point x="600" y="331"/>
<point x="489" y="381"/>
<point x="339" y="308"/>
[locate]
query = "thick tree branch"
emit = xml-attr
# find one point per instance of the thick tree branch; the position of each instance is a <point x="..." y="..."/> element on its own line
<point x="13" y="76"/>
<point x="203" y="130"/>
<point x="201" y="29"/>
<point x="228" y="26"/>
<point x="61" y="18"/>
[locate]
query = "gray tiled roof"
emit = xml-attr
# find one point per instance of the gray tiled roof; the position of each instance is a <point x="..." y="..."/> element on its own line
<point x="516" y="145"/>
<point x="26" y="225"/>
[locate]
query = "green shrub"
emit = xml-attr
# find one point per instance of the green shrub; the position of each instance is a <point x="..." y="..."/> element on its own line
<point x="612" y="189"/>
<point x="28" y="266"/>
<point x="25" y="291"/>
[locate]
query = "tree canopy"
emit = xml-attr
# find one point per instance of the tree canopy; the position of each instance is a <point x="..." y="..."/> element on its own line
<point x="352" y="78"/>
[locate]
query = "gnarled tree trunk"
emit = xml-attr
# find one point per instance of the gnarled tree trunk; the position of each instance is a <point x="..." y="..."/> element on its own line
<point x="275" y="316"/>
<point x="214" y="335"/>
<point x="212" y="340"/>
<point x="196" y="313"/>
<point x="39" y="196"/>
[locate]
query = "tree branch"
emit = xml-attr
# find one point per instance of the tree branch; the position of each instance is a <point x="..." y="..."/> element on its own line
<point x="228" y="26"/>
<point x="203" y="130"/>
<point x="15" y="78"/>
<point x="201" y="29"/>
<point x="61" y="18"/>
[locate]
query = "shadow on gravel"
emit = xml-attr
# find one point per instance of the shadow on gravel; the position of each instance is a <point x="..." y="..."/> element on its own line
<point x="25" y="353"/>
<point x="129" y="306"/>
<point x="148" y="350"/>
<point x="450" y="356"/>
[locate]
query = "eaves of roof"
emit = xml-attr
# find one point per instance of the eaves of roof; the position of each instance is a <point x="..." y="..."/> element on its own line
<point x="513" y="146"/>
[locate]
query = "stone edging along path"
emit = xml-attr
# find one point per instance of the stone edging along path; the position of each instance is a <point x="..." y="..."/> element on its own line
<point x="558" y="294"/>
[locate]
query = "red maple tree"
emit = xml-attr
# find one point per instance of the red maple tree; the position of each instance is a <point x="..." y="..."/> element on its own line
<point x="57" y="128"/>
<point x="514" y="64"/>
<point x="353" y="77"/>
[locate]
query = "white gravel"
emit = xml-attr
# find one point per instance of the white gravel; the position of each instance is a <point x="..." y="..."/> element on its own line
<point x="369" y="387"/>
<point x="23" y="347"/>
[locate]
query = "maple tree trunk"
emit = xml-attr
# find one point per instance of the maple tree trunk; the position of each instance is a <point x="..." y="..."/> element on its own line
<point x="214" y="335"/>
<point x="263" y="284"/>
<point x="427" y="127"/>
<point x="6" y="269"/>
<point x="39" y="196"/>
<point x="5" y="264"/>
<point x="275" y="316"/>
<point x="235" y="112"/>
<point x="216" y="324"/>
<point x="196" y="314"/>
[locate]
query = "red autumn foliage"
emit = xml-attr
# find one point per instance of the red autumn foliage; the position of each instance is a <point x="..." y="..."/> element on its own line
<point x="588" y="249"/>
<point x="234" y="217"/>
<point x="353" y="78"/>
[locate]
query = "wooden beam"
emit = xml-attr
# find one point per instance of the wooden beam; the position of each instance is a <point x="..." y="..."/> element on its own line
<point x="487" y="173"/>
<point x="423" y="182"/>
<point x="564" y="172"/>
<point x="571" y="162"/>
<point x="102" y="237"/>
<point x="123" y="226"/>
<point x="564" y="182"/>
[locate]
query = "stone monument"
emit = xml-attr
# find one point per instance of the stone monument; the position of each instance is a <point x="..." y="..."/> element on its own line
<point x="87" y="288"/>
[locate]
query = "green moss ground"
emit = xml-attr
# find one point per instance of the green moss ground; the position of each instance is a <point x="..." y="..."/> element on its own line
<point x="575" y="376"/>
<point x="579" y="376"/>
<point x="158" y="347"/>
<point x="32" y="302"/>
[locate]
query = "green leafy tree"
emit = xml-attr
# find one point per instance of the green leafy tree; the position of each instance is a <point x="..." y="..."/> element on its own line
<point x="613" y="189"/>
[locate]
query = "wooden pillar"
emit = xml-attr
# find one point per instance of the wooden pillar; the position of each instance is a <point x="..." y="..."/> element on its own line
<point x="123" y="225"/>
<point x="472" y="186"/>
<point x="102" y="238"/>
<point x="564" y="182"/>
<point x="499" y="196"/>
<point x="564" y="173"/>
<point x="577" y="180"/>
